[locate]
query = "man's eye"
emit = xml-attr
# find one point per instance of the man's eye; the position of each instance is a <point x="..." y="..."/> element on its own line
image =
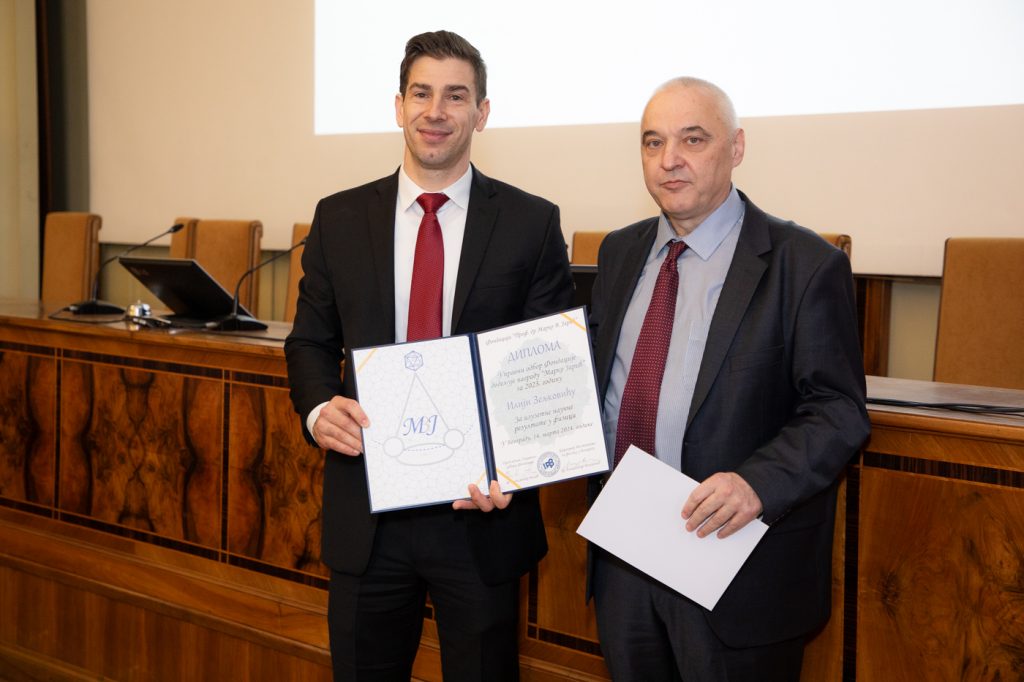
<point x="652" y="144"/>
<point x="694" y="140"/>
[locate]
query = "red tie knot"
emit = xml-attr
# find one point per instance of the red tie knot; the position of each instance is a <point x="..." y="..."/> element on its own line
<point x="431" y="201"/>
<point x="674" y="249"/>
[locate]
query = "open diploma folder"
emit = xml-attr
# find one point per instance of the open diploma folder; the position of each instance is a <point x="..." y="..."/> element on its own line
<point x="637" y="517"/>
<point x="516" y="404"/>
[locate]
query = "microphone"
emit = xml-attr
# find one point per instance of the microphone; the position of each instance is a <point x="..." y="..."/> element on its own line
<point x="235" y="322"/>
<point x="96" y="307"/>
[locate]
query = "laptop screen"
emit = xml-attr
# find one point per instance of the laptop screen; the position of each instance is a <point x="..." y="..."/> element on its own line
<point x="183" y="286"/>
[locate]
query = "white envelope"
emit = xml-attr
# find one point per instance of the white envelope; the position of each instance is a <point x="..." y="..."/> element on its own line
<point x="637" y="518"/>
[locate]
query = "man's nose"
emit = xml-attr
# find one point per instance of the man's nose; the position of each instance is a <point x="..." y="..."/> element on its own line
<point x="671" y="158"/>
<point x="436" y="110"/>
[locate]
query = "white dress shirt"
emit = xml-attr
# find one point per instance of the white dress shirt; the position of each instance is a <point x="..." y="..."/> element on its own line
<point x="408" y="214"/>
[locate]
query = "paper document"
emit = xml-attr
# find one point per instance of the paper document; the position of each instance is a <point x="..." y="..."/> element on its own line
<point x="637" y="517"/>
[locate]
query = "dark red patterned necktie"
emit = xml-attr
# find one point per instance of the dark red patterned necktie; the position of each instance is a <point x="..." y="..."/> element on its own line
<point x="638" y="411"/>
<point x="425" y="295"/>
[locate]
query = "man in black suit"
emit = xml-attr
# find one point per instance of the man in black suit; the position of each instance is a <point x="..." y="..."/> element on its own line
<point x="370" y="272"/>
<point x="737" y="361"/>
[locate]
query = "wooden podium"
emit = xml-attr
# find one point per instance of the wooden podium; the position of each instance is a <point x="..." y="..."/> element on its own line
<point x="160" y="520"/>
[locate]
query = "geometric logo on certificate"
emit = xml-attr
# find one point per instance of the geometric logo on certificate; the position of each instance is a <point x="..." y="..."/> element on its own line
<point x="422" y="435"/>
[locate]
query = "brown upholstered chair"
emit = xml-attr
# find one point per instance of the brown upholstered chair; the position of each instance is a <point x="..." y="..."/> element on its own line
<point x="71" y="256"/>
<point x="299" y="232"/>
<point x="585" y="245"/>
<point x="840" y="241"/>
<point x="980" y="339"/>
<point x="225" y="249"/>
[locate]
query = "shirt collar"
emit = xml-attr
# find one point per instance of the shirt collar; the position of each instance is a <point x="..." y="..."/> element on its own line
<point x="710" y="234"/>
<point x="458" y="191"/>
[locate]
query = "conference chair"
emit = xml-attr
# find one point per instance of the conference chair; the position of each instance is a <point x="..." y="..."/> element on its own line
<point x="585" y="245"/>
<point x="843" y="242"/>
<point x="71" y="256"/>
<point x="299" y="232"/>
<point x="980" y="338"/>
<point x="225" y="249"/>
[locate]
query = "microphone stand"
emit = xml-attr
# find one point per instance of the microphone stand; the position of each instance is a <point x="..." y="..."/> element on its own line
<point x="238" y="323"/>
<point x="94" y="306"/>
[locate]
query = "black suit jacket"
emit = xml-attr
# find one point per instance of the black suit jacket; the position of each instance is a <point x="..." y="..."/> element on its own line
<point x="779" y="399"/>
<point x="513" y="267"/>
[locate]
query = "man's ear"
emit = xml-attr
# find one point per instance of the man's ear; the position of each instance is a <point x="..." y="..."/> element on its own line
<point x="485" y="110"/>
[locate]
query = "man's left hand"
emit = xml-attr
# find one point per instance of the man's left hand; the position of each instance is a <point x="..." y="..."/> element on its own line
<point x="725" y="501"/>
<point x="477" y="500"/>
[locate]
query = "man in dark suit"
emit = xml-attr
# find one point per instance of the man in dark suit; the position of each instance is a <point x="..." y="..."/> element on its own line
<point x="435" y="249"/>
<point x="726" y="345"/>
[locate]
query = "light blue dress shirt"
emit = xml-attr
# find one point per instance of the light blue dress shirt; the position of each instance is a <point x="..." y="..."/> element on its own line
<point x="702" y="270"/>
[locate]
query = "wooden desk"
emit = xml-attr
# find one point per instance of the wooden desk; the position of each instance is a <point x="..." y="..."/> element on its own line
<point x="156" y="494"/>
<point x="928" y="578"/>
<point x="159" y="519"/>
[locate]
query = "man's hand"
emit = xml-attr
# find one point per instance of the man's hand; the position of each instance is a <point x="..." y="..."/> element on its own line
<point x="477" y="500"/>
<point x="337" y="426"/>
<point x="726" y="501"/>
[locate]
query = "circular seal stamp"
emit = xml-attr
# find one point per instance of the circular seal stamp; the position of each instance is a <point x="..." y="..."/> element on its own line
<point x="548" y="464"/>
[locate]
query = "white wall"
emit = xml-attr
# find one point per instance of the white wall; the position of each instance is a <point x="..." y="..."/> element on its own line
<point x="205" y="108"/>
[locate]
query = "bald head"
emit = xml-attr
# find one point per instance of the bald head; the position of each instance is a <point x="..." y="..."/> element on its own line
<point x="721" y="102"/>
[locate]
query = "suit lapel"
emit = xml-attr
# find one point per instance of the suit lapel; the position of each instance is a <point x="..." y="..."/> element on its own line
<point x="744" y="274"/>
<point x="480" y="221"/>
<point x="380" y="223"/>
<point x="624" y="279"/>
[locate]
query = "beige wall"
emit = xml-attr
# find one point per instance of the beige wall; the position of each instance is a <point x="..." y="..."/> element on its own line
<point x="19" y="166"/>
<point x="205" y="107"/>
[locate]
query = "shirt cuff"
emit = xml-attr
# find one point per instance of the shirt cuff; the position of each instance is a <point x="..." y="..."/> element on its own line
<point x="311" y="419"/>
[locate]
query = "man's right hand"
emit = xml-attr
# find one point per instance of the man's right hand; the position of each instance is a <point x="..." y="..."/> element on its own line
<point x="337" y="426"/>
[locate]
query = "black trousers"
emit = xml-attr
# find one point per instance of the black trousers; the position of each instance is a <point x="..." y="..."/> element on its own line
<point x="375" y="619"/>
<point x="651" y="633"/>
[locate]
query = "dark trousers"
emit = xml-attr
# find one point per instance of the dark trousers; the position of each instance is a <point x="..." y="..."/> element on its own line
<point x="375" y="619"/>
<point x="650" y="633"/>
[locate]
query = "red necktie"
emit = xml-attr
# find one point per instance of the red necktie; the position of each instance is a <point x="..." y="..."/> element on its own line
<point x="425" y="295"/>
<point x="638" y="411"/>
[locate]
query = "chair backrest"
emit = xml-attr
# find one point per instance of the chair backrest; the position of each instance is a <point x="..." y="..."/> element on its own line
<point x="299" y="232"/>
<point x="843" y="242"/>
<point x="585" y="245"/>
<point x="225" y="249"/>
<point x="183" y="241"/>
<point x="71" y="257"/>
<point x="980" y="338"/>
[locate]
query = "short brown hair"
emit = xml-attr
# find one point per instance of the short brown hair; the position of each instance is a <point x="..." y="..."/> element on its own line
<point x="442" y="45"/>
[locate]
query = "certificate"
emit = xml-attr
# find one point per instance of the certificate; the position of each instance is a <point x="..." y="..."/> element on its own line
<point x="516" y="404"/>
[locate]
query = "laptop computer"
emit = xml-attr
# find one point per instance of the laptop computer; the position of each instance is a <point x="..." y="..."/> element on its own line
<point x="185" y="287"/>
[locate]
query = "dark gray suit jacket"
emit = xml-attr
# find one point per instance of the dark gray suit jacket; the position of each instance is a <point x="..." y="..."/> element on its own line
<point x="513" y="267"/>
<point x="779" y="399"/>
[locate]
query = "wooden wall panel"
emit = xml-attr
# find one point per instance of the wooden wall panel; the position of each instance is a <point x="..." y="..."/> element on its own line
<point x="561" y="605"/>
<point x="27" y="427"/>
<point x="941" y="584"/>
<point x="275" y="482"/>
<point x="823" y="660"/>
<point x="145" y="452"/>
